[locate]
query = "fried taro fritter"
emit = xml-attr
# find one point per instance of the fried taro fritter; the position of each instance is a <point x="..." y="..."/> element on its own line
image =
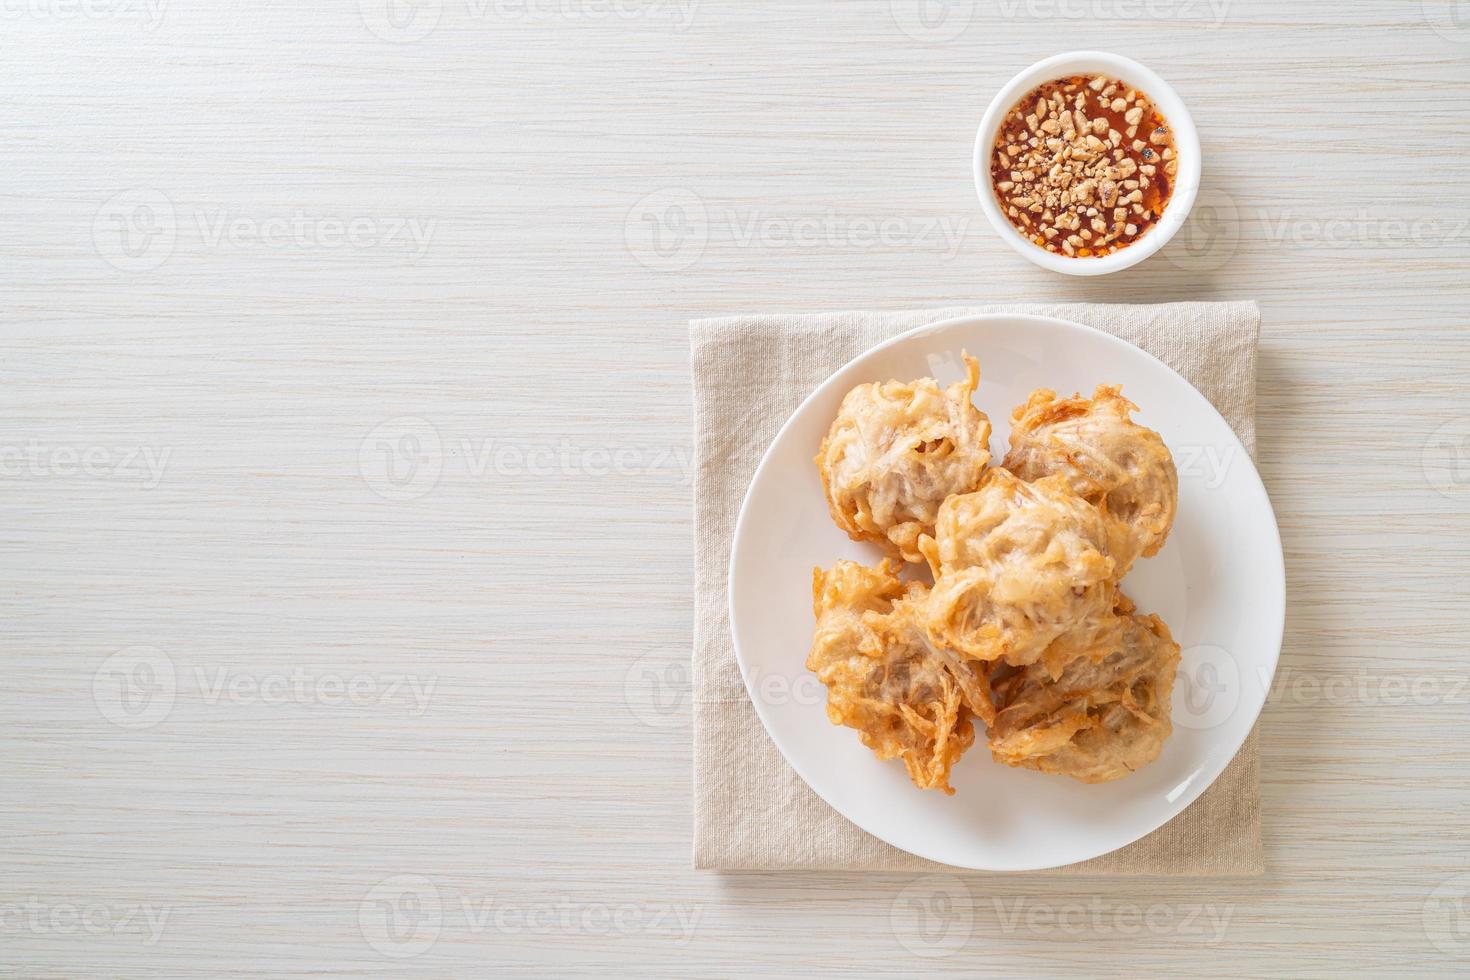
<point x="1024" y="628"/>
<point x="1122" y="468"/>
<point x="907" y="699"/>
<point x="1100" y="719"/>
<point x="895" y="451"/>
<point x="1021" y="572"/>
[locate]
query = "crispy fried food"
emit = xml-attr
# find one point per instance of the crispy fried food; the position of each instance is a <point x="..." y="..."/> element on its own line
<point x="1024" y="628"/>
<point x="1021" y="572"/>
<point x="1100" y="719"/>
<point x="896" y="450"/>
<point x="907" y="699"/>
<point x="1122" y="468"/>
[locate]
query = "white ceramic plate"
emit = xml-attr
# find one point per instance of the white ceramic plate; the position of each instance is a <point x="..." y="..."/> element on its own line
<point x="1219" y="583"/>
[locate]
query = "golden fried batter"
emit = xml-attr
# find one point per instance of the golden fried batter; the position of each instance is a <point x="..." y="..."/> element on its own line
<point x="894" y="453"/>
<point x="1018" y="568"/>
<point x="907" y="699"/>
<point x="1024" y="627"/>
<point x="1100" y="719"/>
<point x="1122" y="468"/>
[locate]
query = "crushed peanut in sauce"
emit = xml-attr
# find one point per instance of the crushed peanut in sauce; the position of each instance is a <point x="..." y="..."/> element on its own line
<point x="1083" y="166"/>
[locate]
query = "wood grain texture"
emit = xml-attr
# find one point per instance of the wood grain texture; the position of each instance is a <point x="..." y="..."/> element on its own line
<point x="344" y="378"/>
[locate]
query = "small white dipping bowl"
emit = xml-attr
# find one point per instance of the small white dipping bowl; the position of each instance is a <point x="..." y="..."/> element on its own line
<point x="1169" y="105"/>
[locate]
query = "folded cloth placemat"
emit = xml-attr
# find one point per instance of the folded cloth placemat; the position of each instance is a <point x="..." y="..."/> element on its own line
<point x="752" y="812"/>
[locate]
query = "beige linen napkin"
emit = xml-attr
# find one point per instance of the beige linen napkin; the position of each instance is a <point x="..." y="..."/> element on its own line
<point x="751" y="810"/>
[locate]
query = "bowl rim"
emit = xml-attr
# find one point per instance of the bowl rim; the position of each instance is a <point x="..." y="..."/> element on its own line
<point x="1275" y="616"/>
<point x="1186" y="139"/>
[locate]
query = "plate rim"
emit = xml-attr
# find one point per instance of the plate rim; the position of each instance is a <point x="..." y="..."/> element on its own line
<point x="1277" y="613"/>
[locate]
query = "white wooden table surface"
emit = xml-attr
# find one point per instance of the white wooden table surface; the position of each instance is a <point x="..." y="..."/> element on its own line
<point x="344" y="435"/>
